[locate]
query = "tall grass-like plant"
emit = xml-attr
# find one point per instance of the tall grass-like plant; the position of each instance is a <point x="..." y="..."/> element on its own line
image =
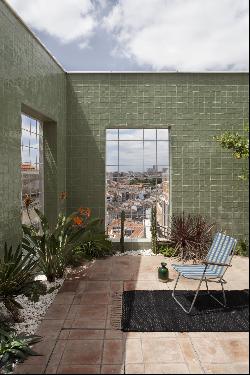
<point x="17" y="273"/>
<point x="54" y="247"/>
<point x="154" y="230"/>
<point x="192" y="236"/>
<point x="122" y="231"/>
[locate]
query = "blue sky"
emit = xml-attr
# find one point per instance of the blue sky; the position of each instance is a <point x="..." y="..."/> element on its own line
<point x="183" y="35"/>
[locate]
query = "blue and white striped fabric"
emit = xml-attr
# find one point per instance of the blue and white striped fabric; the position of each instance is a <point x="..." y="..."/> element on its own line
<point x="220" y="252"/>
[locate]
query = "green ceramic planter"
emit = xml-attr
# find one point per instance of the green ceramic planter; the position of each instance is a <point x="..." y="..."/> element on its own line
<point x="163" y="272"/>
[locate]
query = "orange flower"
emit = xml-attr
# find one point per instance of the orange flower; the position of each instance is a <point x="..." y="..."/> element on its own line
<point x="88" y="212"/>
<point x="77" y="220"/>
<point x="63" y="195"/>
<point x="84" y="211"/>
<point x="27" y="200"/>
<point x="81" y="210"/>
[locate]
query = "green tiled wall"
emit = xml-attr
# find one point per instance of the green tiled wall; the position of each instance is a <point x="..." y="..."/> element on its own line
<point x="30" y="77"/>
<point x="195" y="106"/>
<point x="76" y="110"/>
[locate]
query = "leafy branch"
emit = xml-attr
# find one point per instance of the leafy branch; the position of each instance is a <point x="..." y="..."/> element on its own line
<point x="238" y="144"/>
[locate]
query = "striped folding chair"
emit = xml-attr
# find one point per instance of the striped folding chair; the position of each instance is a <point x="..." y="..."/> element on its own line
<point x="212" y="269"/>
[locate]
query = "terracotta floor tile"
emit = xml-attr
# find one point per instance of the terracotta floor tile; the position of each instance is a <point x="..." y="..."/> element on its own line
<point x="51" y="369"/>
<point x="111" y="334"/>
<point x="82" y="352"/>
<point x="89" y="323"/>
<point x="81" y="286"/>
<point x="105" y="276"/>
<point x="112" y="369"/>
<point x="133" y="368"/>
<point x="133" y="351"/>
<point x="97" y="286"/>
<point x="84" y="369"/>
<point x="95" y="298"/>
<point x="116" y="286"/>
<point x="50" y="328"/>
<point x="210" y="350"/>
<point x="29" y="369"/>
<point x="57" y="312"/>
<point x="161" y="350"/>
<point x="69" y="286"/>
<point x="241" y="368"/>
<point x="162" y="368"/>
<point x="157" y="334"/>
<point x="64" y="299"/>
<point x="112" y="352"/>
<point x="86" y="334"/>
<point x="44" y="349"/>
<point x="145" y="276"/>
<point x="57" y="352"/>
<point x="98" y="312"/>
<point x="236" y="349"/>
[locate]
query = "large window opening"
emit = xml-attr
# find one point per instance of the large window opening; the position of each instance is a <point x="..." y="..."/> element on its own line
<point x="137" y="177"/>
<point x="32" y="167"/>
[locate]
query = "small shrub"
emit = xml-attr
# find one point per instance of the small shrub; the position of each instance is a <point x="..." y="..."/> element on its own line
<point x="97" y="246"/>
<point x="167" y="251"/>
<point x="192" y="236"/>
<point x="242" y="249"/>
<point x="15" y="348"/>
<point x="34" y="290"/>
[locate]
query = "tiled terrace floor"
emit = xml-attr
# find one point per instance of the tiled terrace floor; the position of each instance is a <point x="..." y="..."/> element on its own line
<point x="79" y="338"/>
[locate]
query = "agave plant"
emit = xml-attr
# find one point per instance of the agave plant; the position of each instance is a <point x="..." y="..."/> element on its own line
<point x="14" y="348"/>
<point x="17" y="271"/>
<point x="54" y="247"/>
<point x="191" y="235"/>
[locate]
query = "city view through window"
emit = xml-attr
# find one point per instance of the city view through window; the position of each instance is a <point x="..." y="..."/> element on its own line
<point x="31" y="166"/>
<point x="137" y="177"/>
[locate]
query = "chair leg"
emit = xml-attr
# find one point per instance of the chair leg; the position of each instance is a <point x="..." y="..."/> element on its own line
<point x="192" y="304"/>
<point x="223" y="292"/>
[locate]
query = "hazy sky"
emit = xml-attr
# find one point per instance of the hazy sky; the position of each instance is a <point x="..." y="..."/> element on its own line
<point x="183" y="35"/>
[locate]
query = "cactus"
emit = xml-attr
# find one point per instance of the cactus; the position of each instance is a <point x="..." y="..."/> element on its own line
<point x="153" y="230"/>
<point x="122" y="231"/>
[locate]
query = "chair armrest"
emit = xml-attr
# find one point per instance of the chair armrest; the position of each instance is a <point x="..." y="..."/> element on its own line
<point x="207" y="263"/>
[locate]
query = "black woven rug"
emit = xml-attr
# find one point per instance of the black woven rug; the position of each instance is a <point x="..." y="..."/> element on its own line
<point x="157" y="311"/>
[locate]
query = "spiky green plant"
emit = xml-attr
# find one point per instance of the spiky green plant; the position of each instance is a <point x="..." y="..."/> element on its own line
<point x="16" y="273"/>
<point x="15" y="348"/>
<point x="122" y="231"/>
<point x="54" y="246"/>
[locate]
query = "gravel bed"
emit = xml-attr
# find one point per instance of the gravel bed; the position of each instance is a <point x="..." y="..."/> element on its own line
<point x="32" y="313"/>
<point x="145" y="252"/>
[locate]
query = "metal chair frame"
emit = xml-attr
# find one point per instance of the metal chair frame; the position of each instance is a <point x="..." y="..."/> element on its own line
<point x="218" y="279"/>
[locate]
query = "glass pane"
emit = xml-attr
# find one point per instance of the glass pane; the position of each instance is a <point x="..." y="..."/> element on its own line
<point x="131" y="134"/>
<point x="111" y="153"/>
<point x="149" y="152"/>
<point x="163" y="134"/>
<point x="25" y="138"/>
<point x="112" y="134"/>
<point x="33" y="126"/>
<point x="131" y="170"/>
<point x="25" y="122"/>
<point x="32" y="167"/>
<point x="150" y="134"/>
<point x="162" y="153"/>
<point x="131" y="153"/>
<point x="25" y="155"/>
